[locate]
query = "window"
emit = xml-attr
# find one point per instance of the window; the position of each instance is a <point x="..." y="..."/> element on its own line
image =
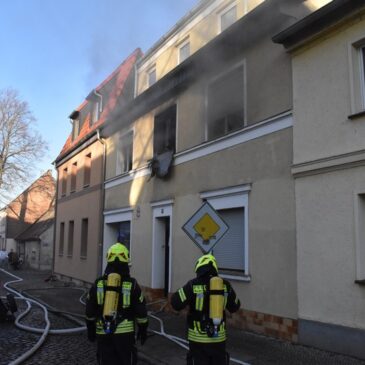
<point x="226" y="103"/>
<point x="95" y="111"/>
<point x="75" y="128"/>
<point x="87" y="170"/>
<point x="231" y="251"/>
<point x="357" y="72"/>
<point x="125" y="153"/>
<point x="184" y="51"/>
<point x="62" y="238"/>
<point x="360" y="236"/>
<point x="228" y="17"/>
<point x="164" y="135"/>
<point x="73" y="177"/>
<point x="84" y="237"/>
<point x="151" y="77"/>
<point x="64" y="182"/>
<point x="124" y="234"/>
<point x="70" y="246"/>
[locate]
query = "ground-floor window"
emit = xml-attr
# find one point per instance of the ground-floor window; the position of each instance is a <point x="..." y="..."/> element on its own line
<point x="231" y="251"/>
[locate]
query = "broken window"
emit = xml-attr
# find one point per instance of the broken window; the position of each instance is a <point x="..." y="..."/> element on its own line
<point x="125" y="153"/>
<point x="226" y="103"/>
<point x="164" y="134"/>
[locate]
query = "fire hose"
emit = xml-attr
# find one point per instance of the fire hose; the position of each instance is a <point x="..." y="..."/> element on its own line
<point x="44" y="331"/>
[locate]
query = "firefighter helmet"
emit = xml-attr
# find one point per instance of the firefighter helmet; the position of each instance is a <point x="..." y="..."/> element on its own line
<point x="206" y="260"/>
<point x="118" y="251"/>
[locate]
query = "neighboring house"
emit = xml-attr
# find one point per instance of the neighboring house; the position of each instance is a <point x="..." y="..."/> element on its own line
<point x="37" y="242"/>
<point x="22" y="212"/>
<point x="211" y="121"/>
<point x="328" y="57"/>
<point x="80" y="169"/>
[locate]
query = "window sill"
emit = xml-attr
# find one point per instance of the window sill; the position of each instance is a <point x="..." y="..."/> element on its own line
<point x="360" y="282"/>
<point x="69" y="256"/>
<point x="236" y="277"/>
<point x="357" y="115"/>
<point x="72" y="191"/>
<point x="84" y="258"/>
<point x="86" y="186"/>
<point x="60" y="254"/>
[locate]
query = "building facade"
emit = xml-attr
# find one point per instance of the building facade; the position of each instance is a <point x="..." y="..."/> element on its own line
<point x="328" y="51"/>
<point x="80" y="170"/>
<point x="27" y="208"/>
<point x="211" y="121"/>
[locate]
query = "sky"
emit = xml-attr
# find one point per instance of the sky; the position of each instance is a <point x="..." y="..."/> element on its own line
<point x="54" y="52"/>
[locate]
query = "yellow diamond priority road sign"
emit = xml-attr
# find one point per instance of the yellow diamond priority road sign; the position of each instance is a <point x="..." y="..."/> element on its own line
<point x="205" y="227"/>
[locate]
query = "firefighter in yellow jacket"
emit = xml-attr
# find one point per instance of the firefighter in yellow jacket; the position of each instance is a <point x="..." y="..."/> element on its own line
<point x="114" y="307"/>
<point x="208" y="296"/>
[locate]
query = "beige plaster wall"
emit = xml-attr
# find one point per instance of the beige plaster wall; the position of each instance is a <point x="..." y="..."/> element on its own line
<point x="264" y="163"/>
<point x="323" y="85"/>
<point x="326" y="248"/>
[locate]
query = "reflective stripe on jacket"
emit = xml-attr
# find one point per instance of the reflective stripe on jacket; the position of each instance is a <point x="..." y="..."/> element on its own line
<point x="124" y="325"/>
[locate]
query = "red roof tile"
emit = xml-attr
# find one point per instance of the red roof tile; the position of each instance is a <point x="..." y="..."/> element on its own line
<point x="121" y="74"/>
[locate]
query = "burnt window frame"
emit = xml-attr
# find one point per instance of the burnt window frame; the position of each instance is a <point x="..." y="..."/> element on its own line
<point x="164" y="113"/>
<point x="121" y="146"/>
<point x="241" y="64"/>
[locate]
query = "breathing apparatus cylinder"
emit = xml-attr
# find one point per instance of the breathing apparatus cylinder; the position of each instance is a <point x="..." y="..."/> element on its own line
<point x="216" y="301"/>
<point x="111" y="302"/>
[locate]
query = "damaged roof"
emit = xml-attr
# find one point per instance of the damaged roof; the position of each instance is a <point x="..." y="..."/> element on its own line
<point x="120" y="75"/>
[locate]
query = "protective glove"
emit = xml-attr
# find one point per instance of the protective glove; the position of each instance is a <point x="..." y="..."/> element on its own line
<point x="142" y="333"/>
<point x="91" y="332"/>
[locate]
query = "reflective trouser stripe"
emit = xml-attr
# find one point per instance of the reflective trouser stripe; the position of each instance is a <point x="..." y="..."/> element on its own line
<point x="141" y="320"/>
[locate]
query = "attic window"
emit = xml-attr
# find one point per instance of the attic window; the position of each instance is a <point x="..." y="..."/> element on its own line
<point x="95" y="111"/>
<point x="228" y="17"/>
<point x="164" y="134"/>
<point x="151" y="77"/>
<point x="75" y="128"/>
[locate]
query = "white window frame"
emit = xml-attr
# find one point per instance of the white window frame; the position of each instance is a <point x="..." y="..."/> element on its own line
<point x="182" y="45"/>
<point x="225" y="10"/>
<point x="359" y="213"/>
<point x="357" y="75"/>
<point x="229" y="198"/>
<point x="118" y="169"/>
<point x="116" y="216"/>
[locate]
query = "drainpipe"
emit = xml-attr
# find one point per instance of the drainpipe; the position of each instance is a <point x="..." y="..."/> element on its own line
<point x="55" y="220"/>
<point x="102" y="205"/>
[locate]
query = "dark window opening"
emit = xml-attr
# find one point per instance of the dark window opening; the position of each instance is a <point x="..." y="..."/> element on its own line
<point x="73" y="177"/>
<point x="87" y="170"/>
<point x="164" y="135"/>
<point x="225" y="104"/>
<point x="64" y="182"/>
<point x="84" y="237"/>
<point x="70" y="246"/>
<point x="62" y="238"/>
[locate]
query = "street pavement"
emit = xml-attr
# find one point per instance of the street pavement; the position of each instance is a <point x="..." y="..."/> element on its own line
<point x="72" y="349"/>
